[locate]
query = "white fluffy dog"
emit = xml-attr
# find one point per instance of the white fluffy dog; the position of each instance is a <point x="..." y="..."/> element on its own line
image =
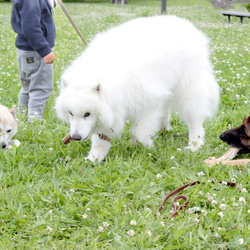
<point x="139" y="71"/>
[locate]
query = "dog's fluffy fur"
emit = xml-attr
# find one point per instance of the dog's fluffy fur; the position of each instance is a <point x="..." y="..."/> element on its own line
<point x="8" y="126"/>
<point x="139" y="71"/>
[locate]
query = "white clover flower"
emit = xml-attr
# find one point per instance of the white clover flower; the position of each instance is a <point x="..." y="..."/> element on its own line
<point x="207" y="195"/>
<point x="131" y="233"/>
<point x="189" y="211"/>
<point x="201" y="174"/>
<point x="72" y="190"/>
<point x="243" y="190"/>
<point x="172" y="157"/>
<point x="133" y="222"/>
<point x="100" y="229"/>
<point x="163" y="223"/>
<point x="105" y="224"/>
<point x="241" y="241"/>
<point x="152" y="184"/>
<point x="148" y="233"/>
<point x="196" y="209"/>
<point x="50" y="211"/>
<point x="67" y="158"/>
<point x="217" y="235"/>
<point x="235" y="204"/>
<point x="88" y="209"/>
<point x="233" y="180"/>
<point x="84" y="216"/>
<point x="219" y="229"/>
<point x="248" y="211"/>
<point x="159" y="176"/>
<point x="242" y="200"/>
<point x="214" y="202"/>
<point x="196" y="220"/>
<point x="221" y="214"/>
<point x="224" y="183"/>
<point x="49" y="229"/>
<point x="147" y="197"/>
<point x="223" y="206"/>
<point x="51" y="149"/>
<point x="204" y="212"/>
<point x="201" y="193"/>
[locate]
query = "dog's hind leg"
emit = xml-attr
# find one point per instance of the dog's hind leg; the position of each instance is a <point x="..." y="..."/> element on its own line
<point x="165" y="120"/>
<point x="99" y="149"/>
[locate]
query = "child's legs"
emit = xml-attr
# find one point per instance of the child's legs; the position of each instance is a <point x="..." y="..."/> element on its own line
<point x="41" y="87"/>
<point x="23" y="97"/>
<point x="37" y="82"/>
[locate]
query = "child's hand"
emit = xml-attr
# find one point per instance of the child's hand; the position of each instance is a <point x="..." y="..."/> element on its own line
<point x="50" y="58"/>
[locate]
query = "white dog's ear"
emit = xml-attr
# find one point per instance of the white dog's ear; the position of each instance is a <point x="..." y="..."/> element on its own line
<point x="64" y="83"/>
<point x="13" y="111"/>
<point x="98" y="88"/>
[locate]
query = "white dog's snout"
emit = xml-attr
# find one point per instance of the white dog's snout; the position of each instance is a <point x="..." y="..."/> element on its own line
<point x="3" y="143"/>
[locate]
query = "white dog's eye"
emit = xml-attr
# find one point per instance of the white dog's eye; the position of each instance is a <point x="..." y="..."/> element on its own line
<point x="87" y="114"/>
<point x="70" y="113"/>
<point x="8" y="131"/>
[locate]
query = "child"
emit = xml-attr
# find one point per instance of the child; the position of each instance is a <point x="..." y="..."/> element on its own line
<point x="33" y="22"/>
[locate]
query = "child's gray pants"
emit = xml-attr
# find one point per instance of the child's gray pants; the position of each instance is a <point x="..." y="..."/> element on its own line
<point x="37" y="82"/>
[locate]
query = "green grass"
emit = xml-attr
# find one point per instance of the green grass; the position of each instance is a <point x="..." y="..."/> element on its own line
<point x="44" y="184"/>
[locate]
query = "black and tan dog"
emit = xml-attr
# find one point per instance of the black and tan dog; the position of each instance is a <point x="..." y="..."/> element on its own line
<point x="239" y="141"/>
<point x="239" y="137"/>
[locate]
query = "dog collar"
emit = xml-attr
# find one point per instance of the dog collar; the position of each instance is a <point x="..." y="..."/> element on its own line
<point x="104" y="137"/>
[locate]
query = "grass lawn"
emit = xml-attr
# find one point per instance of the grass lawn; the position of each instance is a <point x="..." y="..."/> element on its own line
<point x="51" y="199"/>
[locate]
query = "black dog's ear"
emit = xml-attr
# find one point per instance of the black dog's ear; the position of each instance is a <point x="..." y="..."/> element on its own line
<point x="246" y="123"/>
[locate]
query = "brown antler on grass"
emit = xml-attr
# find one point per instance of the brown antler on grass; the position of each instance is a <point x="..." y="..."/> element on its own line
<point x="226" y="159"/>
<point x="66" y="139"/>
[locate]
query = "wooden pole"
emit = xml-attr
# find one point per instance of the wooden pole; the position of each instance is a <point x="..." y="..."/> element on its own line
<point x="163" y="6"/>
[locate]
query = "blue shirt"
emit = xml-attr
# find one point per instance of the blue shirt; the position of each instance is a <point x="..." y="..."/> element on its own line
<point x="33" y="22"/>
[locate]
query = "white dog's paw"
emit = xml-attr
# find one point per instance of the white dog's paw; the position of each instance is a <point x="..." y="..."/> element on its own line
<point x="98" y="153"/>
<point x="195" y="145"/>
<point x="13" y="142"/>
<point x="145" y="141"/>
<point x="16" y="142"/>
<point x="149" y="143"/>
<point x="90" y="158"/>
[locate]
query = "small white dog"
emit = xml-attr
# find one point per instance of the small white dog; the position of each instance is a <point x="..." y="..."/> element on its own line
<point x="8" y="127"/>
<point x="139" y="71"/>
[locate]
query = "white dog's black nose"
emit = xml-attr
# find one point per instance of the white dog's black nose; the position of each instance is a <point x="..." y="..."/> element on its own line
<point x="4" y="145"/>
<point x="76" y="137"/>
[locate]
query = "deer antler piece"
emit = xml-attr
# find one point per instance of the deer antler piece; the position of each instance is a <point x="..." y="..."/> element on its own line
<point x="226" y="159"/>
<point x="66" y="139"/>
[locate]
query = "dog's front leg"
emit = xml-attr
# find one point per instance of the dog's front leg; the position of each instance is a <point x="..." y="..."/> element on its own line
<point x="196" y="136"/>
<point x="99" y="149"/>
